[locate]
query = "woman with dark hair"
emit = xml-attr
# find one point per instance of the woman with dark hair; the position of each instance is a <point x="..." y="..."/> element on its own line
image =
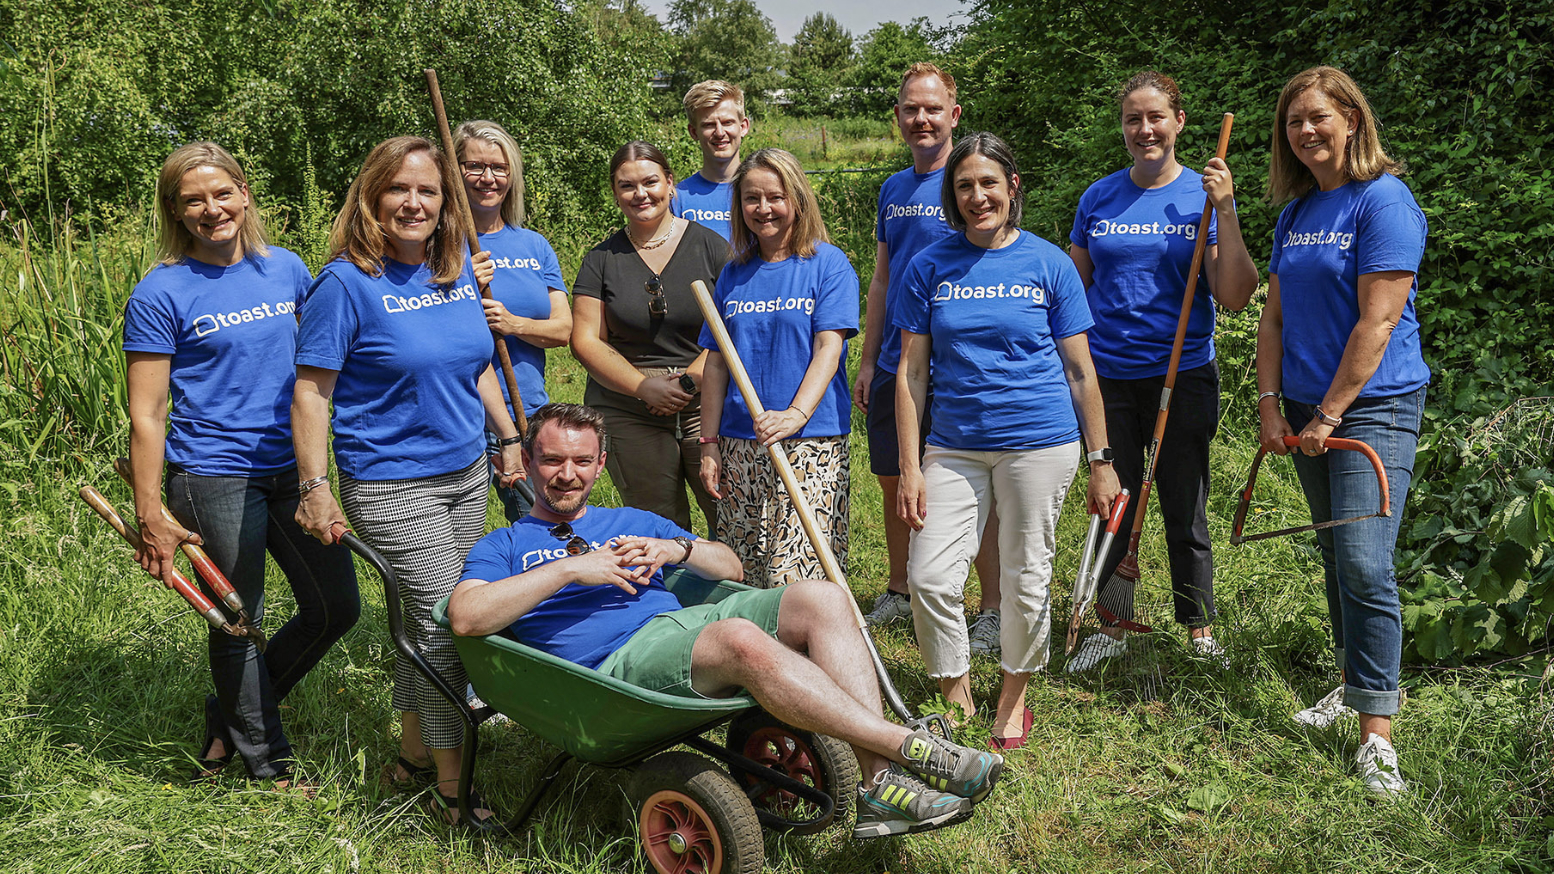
<point x="1338" y="342"/>
<point x="230" y="470"/>
<point x="1133" y="240"/>
<point x="392" y="332"/>
<point x="635" y="324"/>
<point x="790" y="301"/>
<point x="528" y="306"/>
<point x="993" y="320"/>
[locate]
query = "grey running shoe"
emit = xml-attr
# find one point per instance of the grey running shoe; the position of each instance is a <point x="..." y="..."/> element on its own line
<point x="950" y="767"/>
<point x="889" y="607"/>
<point x="1378" y="763"/>
<point x="1326" y="712"/>
<point x="984" y="634"/>
<point x="901" y="804"/>
<point x="1097" y="648"/>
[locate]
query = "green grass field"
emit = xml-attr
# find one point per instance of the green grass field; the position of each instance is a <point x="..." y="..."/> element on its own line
<point x="102" y="676"/>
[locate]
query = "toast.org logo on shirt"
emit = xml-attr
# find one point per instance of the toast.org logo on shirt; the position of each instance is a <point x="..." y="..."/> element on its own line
<point x="1319" y="238"/>
<point x="394" y="303"/>
<point x="913" y="210"/>
<point x="706" y="215"/>
<point x="740" y="307"/>
<point x="517" y="263"/>
<point x="1109" y="228"/>
<point x="953" y="291"/>
<point x="210" y="323"/>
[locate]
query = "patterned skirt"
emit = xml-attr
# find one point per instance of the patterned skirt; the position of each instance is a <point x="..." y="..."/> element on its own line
<point x="758" y="520"/>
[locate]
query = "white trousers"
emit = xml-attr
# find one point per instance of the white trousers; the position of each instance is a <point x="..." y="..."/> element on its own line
<point x="1028" y="486"/>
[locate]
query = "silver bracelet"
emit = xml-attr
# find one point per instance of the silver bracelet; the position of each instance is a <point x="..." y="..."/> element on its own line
<point x="309" y="485"/>
<point x="1268" y="394"/>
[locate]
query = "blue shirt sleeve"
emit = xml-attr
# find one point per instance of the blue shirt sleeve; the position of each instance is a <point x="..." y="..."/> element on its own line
<point x="490" y="559"/>
<point x="148" y="327"/>
<point x="552" y="268"/>
<point x="1391" y="237"/>
<point x="1070" y="312"/>
<point x="910" y="311"/>
<point x="719" y="297"/>
<point x="1079" y="235"/>
<point x="836" y="303"/>
<point x="328" y="325"/>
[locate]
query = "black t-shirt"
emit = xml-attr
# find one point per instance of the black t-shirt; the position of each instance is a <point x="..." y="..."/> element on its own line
<point x="613" y="272"/>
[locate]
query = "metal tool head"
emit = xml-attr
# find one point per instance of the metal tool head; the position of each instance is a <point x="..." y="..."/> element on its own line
<point x="1339" y="443"/>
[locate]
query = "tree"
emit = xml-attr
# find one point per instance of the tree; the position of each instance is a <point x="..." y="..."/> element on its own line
<point x="885" y="53"/>
<point x="820" y="60"/>
<point x="724" y="39"/>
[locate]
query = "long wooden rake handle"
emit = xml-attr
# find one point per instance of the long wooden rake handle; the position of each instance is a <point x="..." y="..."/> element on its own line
<point x="790" y="480"/>
<point x="180" y="584"/>
<point x="1292" y="441"/>
<point x="467" y="218"/>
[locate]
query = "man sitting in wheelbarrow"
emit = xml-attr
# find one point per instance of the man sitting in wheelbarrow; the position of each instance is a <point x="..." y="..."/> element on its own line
<point x="585" y="583"/>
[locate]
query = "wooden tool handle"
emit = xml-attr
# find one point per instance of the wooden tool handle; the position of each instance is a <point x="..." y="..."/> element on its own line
<point x="197" y="556"/>
<point x="180" y="584"/>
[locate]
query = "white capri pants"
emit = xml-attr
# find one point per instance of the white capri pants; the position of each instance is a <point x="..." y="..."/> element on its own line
<point x="961" y="486"/>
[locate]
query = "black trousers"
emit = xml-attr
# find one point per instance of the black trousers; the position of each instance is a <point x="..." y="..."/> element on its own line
<point x="1181" y="486"/>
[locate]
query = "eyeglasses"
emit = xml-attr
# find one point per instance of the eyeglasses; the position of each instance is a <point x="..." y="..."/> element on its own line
<point x="575" y="544"/>
<point x="477" y="169"/>
<point x="658" y="305"/>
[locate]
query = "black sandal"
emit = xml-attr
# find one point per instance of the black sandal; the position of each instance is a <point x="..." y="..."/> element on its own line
<point x="415" y="775"/>
<point x="211" y="767"/>
<point x="446" y="807"/>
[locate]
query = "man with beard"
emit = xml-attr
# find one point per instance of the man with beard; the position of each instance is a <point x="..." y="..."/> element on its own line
<point x="585" y="583"/>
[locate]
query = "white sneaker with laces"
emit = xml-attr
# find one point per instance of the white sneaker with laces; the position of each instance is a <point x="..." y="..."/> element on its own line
<point x="1378" y="762"/>
<point x="1207" y="647"/>
<point x="1097" y="648"/>
<point x="888" y="608"/>
<point x="984" y="634"/>
<point x="1327" y="712"/>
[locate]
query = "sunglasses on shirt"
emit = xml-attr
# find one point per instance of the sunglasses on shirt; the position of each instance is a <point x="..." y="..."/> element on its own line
<point x="658" y="305"/>
<point x="575" y="544"/>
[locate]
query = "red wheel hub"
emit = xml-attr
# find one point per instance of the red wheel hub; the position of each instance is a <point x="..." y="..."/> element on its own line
<point x="781" y="751"/>
<point x="678" y="836"/>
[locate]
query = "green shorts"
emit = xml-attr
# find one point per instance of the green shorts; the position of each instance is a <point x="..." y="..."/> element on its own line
<point x="658" y="657"/>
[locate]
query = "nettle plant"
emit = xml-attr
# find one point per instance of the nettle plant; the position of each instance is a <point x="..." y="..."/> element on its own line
<point x="1476" y="565"/>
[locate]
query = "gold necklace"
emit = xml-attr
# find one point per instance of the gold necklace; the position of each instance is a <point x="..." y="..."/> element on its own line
<point x="656" y="241"/>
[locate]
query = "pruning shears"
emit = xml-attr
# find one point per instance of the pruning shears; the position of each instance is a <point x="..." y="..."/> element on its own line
<point x="1090" y="563"/>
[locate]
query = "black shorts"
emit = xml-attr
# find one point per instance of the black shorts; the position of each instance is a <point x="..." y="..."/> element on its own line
<point x="884" y="448"/>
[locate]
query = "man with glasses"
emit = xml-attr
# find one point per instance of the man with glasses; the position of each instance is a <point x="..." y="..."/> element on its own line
<point x="585" y="583"/>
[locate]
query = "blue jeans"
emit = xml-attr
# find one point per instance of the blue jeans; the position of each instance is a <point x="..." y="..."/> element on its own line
<point x="241" y="518"/>
<point x="1362" y="588"/>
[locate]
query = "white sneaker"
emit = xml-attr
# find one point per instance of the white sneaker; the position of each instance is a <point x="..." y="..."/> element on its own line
<point x="889" y="607"/>
<point x="984" y="634"/>
<point x="475" y="703"/>
<point x="1327" y="712"/>
<point x="1097" y="648"/>
<point x="1378" y="763"/>
<point x="1207" y="647"/>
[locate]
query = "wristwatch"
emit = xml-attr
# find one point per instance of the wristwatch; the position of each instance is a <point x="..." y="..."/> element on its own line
<point x="1104" y="454"/>
<point x="687" y="543"/>
<point x="688" y="384"/>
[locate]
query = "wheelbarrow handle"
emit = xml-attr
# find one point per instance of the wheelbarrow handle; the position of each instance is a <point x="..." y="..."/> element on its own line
<point x="180" y="584"/>
<point x="197" y="556"/>
<point x="1293" y="442"/>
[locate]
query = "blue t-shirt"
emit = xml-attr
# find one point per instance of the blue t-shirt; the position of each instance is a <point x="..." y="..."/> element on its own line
<point x="526" y="271"/>
<point x="582" y="624"/>
<point x="705" y="202"/>
<point x="1322" y="244"/>
<point x="1141" y="241"/>
<point x="773" y="312"/>
<point x="910" y="218"/>
<point x="231" y="332"/>
<point x="409" y="355"/>
<point x="994" y="316"/>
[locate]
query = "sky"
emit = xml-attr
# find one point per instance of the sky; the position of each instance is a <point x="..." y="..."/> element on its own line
<point x="858" y="16"/>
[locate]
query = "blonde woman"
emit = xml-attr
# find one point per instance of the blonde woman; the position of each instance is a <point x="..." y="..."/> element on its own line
<point x="528" y="306"/>
<point x="393" y="333"/>
<point x="213" y="323"/>
<point x="1338" y="343"/>
<point x="790" y="301"/>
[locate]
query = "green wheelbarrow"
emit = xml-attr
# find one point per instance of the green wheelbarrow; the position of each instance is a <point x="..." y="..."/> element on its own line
<point x="693" y="816"/>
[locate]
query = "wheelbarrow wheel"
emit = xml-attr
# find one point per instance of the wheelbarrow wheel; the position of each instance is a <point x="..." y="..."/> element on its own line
<point x="816" y="759"/>
<point x="692" y="817"/>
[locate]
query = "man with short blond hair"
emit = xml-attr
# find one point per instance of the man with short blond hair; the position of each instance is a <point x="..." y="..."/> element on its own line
<point x="716" y="120"/>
